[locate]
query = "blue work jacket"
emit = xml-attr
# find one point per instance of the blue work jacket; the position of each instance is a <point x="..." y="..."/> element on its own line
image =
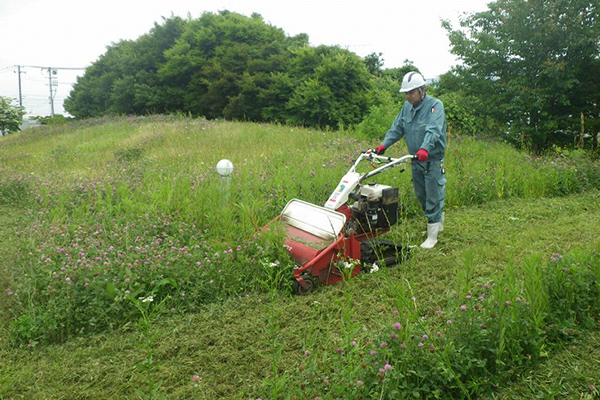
<point x="423" y="126"/>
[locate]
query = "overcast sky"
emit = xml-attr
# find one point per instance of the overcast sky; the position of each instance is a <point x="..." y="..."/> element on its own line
<point x="75" y="33"/>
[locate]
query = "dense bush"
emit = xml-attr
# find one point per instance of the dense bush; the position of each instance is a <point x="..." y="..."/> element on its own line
<point x="225" y="65"/>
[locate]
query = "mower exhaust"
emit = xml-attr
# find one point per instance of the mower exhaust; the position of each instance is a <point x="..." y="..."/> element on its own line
<point x="337" y="241"/>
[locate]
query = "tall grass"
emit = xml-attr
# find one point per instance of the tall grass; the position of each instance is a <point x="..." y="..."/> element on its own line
<point x="133" y="206"/>
<point x="483" y="338"/>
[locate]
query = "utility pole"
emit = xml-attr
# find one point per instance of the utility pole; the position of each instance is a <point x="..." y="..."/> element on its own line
<point x="51" y="84"/>
<point x="20" y="95"/>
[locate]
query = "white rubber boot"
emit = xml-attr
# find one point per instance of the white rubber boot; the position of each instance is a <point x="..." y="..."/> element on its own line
<point x="443" y="218"/>
<point x="432" y="233"/>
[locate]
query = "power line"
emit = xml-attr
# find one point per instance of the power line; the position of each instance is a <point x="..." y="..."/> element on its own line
<point x="66" y="68"/>
<point x="52" y="81"/>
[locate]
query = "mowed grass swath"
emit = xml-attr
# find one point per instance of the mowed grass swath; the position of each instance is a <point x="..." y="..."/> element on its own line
<point x="134" y="206"/>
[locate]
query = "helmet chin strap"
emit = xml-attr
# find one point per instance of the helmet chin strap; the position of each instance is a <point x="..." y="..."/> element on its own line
<point x="422" y="93"/>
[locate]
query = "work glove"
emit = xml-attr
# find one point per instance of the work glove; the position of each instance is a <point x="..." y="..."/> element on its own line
<point x="422" y="155"/>
<point x="380" y="149"/>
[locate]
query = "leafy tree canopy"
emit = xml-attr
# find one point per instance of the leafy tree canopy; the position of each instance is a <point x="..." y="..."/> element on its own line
<point x="124" y="80"/>
<point x="533" y="64"/>
<point x="11" y="115"/>
<point x="222" y="61"/>
<point x="226" y="65"/>
<point x="332" y="87"/>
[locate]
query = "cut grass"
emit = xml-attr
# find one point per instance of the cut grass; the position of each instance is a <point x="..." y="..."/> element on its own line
<point x="227" y="344"/>
<point x="572" y="372"/>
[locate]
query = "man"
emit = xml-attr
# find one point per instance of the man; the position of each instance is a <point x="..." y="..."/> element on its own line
<point x="423" y="123"/>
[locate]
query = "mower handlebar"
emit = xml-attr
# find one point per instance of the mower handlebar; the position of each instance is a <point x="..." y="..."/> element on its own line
<point x="389" y="162"/>
<point x="370" y="154"/>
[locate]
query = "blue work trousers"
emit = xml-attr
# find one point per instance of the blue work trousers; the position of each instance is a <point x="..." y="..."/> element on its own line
<point x="429" y="182"/>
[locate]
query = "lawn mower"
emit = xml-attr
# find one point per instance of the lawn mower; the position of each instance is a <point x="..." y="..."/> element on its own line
<point x="337" y="241"/>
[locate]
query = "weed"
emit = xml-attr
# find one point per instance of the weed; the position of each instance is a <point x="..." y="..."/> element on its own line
<point x="130" y="155"/>
<point x="149" y="312"/>
<point x="275" y="277"/>
<point x="485" y="338"/>
<point x="15" y="190"/>
<point x="573" y="294"/>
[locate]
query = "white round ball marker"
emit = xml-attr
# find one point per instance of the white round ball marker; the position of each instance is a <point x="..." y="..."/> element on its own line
<point x="224" y="167"/>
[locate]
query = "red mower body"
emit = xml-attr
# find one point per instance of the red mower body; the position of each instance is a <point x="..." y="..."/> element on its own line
<point x="334" y="242"/>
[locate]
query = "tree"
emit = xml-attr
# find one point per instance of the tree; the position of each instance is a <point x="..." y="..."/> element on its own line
<point x="396" y="74"/>
<point x="11" y="116"/>
<point x="124" y="80"/>
<point x="526" y="61"/>
<point x="227" y="65"/>
<point x="386" y="101"/>
<point x="374" y="63"/>
<point x="332" y="87"/>
<point x="223" y="64"/>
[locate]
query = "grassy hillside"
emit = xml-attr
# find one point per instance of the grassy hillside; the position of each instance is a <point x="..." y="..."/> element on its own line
<point x="99" y="215"/>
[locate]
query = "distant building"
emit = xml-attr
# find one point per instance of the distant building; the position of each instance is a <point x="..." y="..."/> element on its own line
<point x="29" y="121"/>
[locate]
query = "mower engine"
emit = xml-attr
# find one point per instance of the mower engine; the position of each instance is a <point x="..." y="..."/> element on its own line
<point x="375" y="208"/>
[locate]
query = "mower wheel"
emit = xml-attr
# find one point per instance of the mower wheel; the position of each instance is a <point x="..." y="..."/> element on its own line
<point x="301" y="290"/>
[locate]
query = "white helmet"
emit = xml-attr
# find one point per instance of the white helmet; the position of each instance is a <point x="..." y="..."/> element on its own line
<point x="411" y="81"/>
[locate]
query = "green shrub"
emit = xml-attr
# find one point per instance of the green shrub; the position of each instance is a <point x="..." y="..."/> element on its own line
<point x="377" y="122"/>
<point x="57" y="119"/>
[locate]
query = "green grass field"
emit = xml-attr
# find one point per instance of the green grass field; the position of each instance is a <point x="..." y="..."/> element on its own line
<point x="98" y="215"/>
